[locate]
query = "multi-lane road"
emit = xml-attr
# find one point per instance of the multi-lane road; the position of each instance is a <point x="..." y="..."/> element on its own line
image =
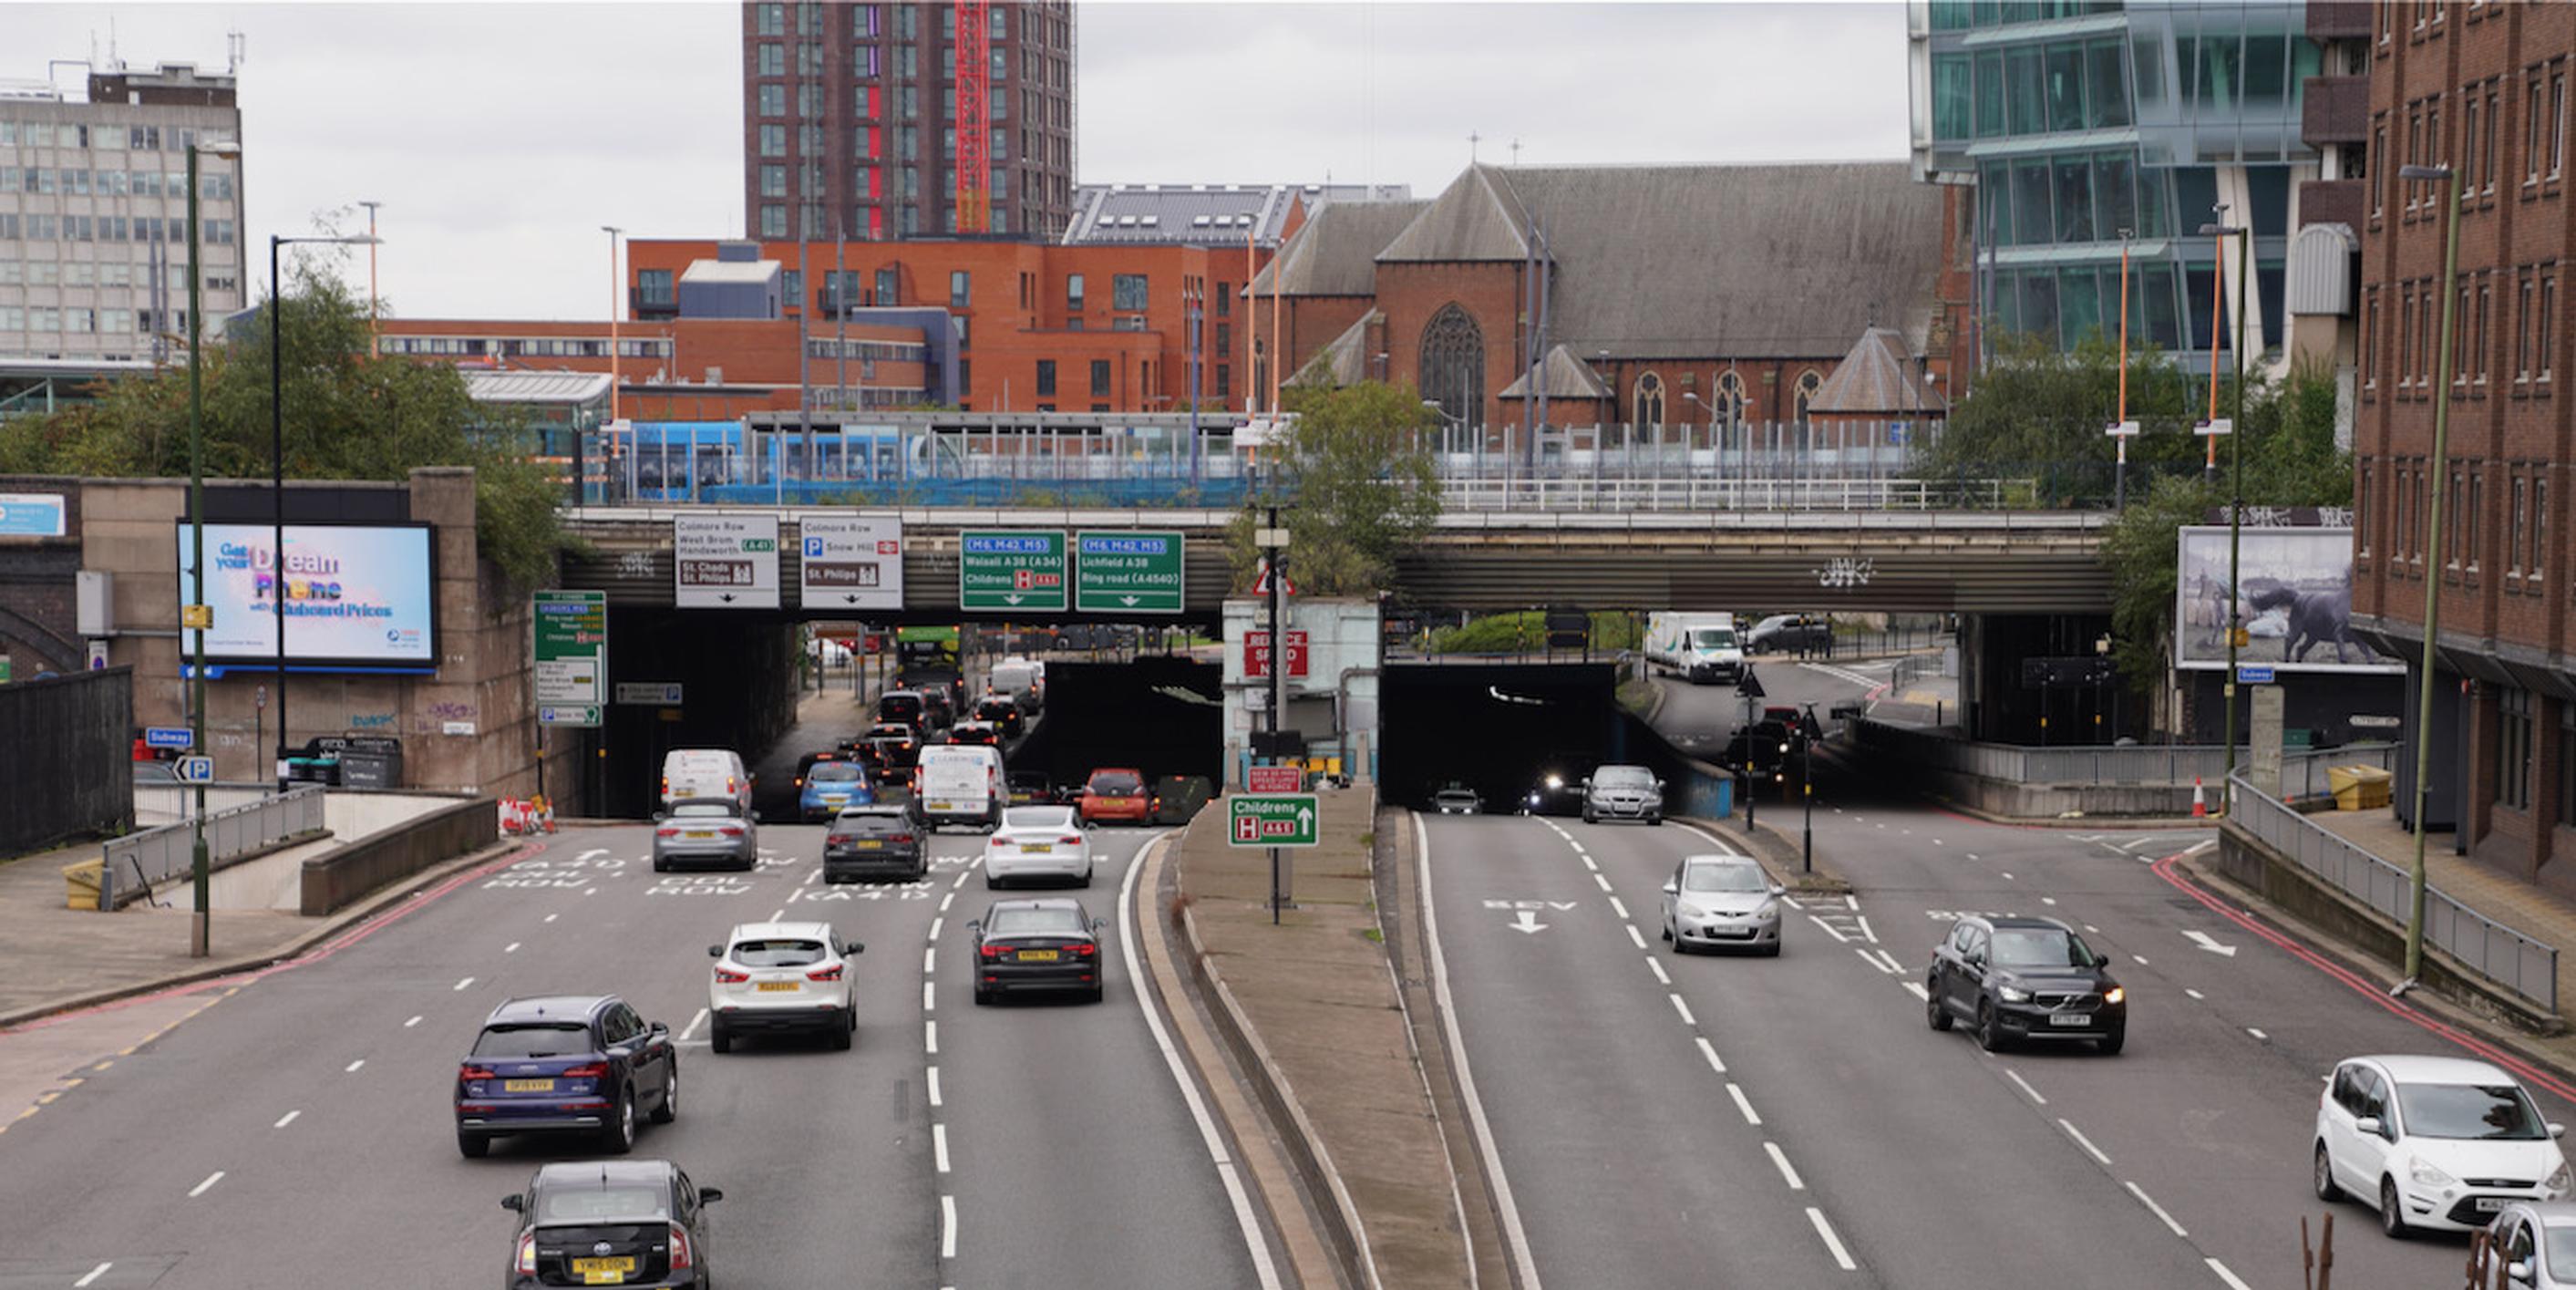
<point x="295" y="1129"/>
<point x="1794" y="1122"/>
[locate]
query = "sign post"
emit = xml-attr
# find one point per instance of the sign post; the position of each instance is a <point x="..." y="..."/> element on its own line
<point x="1276" y="821"/>
<point x="1002" y="571"/>
<point x="572" y="650"/>
<point x="1128" y="572"/>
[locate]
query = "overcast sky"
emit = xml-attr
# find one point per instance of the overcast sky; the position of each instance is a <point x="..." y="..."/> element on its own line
<point x="501" y="136"/>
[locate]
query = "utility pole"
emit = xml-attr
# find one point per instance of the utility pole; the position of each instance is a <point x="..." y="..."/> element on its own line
<point x="2236" y="470"/>
<point x="198" y="614"/>
<point x="2450" y="181"/>
<point x="1807" y="786"/>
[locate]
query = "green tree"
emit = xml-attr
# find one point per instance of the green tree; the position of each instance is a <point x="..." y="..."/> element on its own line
<point x="347" y="416"/>
<point x="2039" y="414"/>
<point x="1356" y="487"/>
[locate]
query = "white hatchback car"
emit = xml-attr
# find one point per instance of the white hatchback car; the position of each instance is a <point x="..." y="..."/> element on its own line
<point x="781" y="978"/>
<point x="2442" y="1143"/>
<point x="1038" y="842"/>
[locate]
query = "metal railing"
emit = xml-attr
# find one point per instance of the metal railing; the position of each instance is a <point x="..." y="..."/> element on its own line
<point x="2513" y="960"/>
<point x="158" y="855"/>
<point x="1665" y="488"/>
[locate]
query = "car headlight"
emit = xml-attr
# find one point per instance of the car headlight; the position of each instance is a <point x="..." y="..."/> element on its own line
<point x="2013" y="994"/>
<point x="2559" y="1179"/>
<point x="1769" y="909"/>
<point x="1554" y="781"/>
<point x="2426" y="1174"/>
<point x="2115" y="994"/>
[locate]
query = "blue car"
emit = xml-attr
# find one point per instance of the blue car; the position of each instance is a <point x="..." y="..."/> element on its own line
<point x="565" y="1064"/>
<point x="831" y="785"/>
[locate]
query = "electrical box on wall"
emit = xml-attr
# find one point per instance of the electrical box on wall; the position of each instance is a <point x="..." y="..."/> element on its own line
<point x="95" y="602"/>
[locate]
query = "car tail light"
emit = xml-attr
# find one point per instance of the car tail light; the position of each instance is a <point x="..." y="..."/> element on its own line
<point x="528" y="1253"/>
<point x="1070" y="838"/>
<point x="832" y="973"/>
<point x="729" y="786"/>
<point x="666" y="833"/>
<point x="470" y="1071"/>
<point x="728" y="977"/>
<point x="900" y="837"/>
<point x="1083" y="951"/>
<point x="990" y="951"/>
<point x="681" y="1255"/>
<point x="595" y="1070"/>
<point x="666" y="787"/>
<point x="731" y="830"/>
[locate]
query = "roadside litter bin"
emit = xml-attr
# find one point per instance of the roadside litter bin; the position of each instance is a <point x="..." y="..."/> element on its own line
<point x="81" y="883"/>
<point x="2358" y="788"/>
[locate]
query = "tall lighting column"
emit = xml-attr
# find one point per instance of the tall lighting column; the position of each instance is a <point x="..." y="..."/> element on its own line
<point x="2441" y="469"/>
<point x="2236" y="499"/>
<point x="200" y="927"/>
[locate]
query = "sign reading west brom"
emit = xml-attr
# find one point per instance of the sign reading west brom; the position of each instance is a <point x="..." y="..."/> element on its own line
<point x="1012" y="570"/>
<point x="725" y="561"/>
<point x="852" y="562"/>
<point x="1128" y="572"/>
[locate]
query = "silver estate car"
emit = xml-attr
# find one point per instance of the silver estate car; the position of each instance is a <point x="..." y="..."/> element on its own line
<point x="1721" y="900"/>
<point x="705" y="831"/>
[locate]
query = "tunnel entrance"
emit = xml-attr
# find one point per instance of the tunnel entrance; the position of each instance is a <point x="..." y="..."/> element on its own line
<point x="1497" y="728"/>
<point x="737" y="685"/>
<point x="1160" y="714"/>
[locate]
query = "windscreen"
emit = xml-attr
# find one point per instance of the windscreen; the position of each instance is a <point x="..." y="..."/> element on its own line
<point x="1724" y="877"/>
<point x="871" y="825"/>
<point x="2489" y="1111"/>
<point x="1116" y="783"/>
<point x="1622" y="777"/>
<point x="601" y="1204"/>
<point x="550" y="1039"/>
<point x="713" y="810"/>
<point x="1034" y="922"/>
<point x="1713" y="638"/>
<point x="2562" y="1251"/>
<point x="2040" y="947"/>
<point x="833" y="772"/>
<point x="906" y="706"/>
<point x="1037" y="817"/>
<point x="780" y="951"/>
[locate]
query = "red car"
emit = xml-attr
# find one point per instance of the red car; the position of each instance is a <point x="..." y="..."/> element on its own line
<point x="1115" y="795"/>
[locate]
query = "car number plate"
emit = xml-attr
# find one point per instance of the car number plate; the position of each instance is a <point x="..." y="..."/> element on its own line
<point x="1037" y="956"/>
<point x="2491" y="1204"/>
<point x="2069" y="1019"/>
<point x="943" y="806"/>
<point x="527" y="1086"/>
<point x="1037" y="848"/>
<point x="604" y="1272"/>
<point x="777" y="987"/>
<point x="698" y="833"/>
<point x="868" y="844"/>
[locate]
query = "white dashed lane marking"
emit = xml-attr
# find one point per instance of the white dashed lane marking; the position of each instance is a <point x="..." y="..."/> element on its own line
<point x="201" y="1188"/>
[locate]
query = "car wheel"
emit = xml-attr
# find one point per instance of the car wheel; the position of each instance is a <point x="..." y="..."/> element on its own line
<point x="1086" y="875"/>
<point x="841" y="1033"/>
<point x="2392" y="1212"/>
<point x="1099" y="991"/>
<point x="669" y="1110"/>
<point x="991" y="883"/>
<point x="720" y="1039"/>
<point x="1655" y="820"/>
<point x="661" y="865"/>
<point x="2326" y="1188"/>
<point x="1587" y="815"/>
<point x="619" y="1137"/>
<point x="2109" y="1045"/>
<point x="1668" y="931"/>
<point x="1990" y="1030"/>
<point x="472" y="1146"/>
<point x="982" y="996"/>
<point x="1935" y="1013"/>
<point x="1771" y="951"/>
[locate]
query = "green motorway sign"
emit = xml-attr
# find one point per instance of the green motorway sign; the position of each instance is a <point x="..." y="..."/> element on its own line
<point x="1125" y="571"/>
<point x="571" y="671"/>
<point x="1271" y="819"/>
<point x="1012" y="570"/>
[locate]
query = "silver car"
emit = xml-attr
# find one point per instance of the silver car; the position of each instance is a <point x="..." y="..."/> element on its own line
<point x="1722" y="900"/>
<point x="1623" y="793"/>
<point x="2537" y="1242"/>
<point x="706" y="831"/>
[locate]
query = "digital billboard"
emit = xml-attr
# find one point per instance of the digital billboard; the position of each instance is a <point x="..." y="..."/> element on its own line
<point x="357" y="596"/>
<point x="2295" y="601"/>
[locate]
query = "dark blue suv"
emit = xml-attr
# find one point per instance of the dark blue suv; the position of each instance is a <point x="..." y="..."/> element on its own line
<point x="565" y="1064"/>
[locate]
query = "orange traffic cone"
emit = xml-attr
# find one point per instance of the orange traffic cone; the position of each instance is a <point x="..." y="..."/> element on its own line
<point x="2199" y="804"/>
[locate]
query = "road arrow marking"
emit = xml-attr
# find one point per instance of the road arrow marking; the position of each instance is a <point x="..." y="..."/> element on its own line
<point x="1528" y="923"/>
<point x="2202" y="940"/>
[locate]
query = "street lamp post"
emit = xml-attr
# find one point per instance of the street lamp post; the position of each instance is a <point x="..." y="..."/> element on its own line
<point x="277" y="469"/>
<point x="2236" y="499"/>
<point x="201" y="926"/>
<point x="375" y="346"/>
<point x="2450" y="181"/>
<point x="1807" y="786"/>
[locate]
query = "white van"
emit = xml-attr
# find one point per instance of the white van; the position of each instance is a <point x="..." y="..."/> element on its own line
<point x="705" y="772"/>
<point x="961" y="784"/>
<point x="1018" y="678"/>
<point x="1699" y="648"/>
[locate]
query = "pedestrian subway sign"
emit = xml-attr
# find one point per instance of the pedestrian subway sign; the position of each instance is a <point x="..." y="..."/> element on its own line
<point x="1271" y="819"/>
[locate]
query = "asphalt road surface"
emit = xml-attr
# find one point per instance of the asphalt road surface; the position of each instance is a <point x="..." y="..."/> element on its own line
<point x="295" y="1129"/>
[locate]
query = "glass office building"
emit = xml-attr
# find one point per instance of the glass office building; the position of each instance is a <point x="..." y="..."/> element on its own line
<point x="2077" y="119"/>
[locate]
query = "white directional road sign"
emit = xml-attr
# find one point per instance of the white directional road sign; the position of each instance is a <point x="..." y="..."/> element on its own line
<point x="725" y="561"/>
<point x="852" y="562"/>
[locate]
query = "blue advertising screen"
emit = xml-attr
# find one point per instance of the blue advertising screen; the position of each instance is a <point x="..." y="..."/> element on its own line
<point x="356" y="595"/>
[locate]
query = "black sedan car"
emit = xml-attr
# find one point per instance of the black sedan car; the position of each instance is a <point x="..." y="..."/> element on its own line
<point x="2024" y="978"/>
<point x="1003" y="713"/>
<point x="1047" y="944"/>
<point x="1557" y="792"/>
<point x="610" y="1222"/>
<point x="1031" y="788"/>
<point x="878" y="841"/>
<point x="565" y="1064"/>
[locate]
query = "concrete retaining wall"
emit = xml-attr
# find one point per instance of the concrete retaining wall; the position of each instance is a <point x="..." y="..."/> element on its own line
<point x="2012" y="800"/>
<point x="343" y="876"/>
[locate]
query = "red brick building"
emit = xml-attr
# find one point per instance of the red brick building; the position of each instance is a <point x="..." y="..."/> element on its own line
<point x="1676" y="296"/>
<point x="2482" y="88"/>
<point x="681" y="369"/>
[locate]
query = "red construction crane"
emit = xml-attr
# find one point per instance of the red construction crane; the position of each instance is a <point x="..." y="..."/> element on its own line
<point x="974" y="118"/>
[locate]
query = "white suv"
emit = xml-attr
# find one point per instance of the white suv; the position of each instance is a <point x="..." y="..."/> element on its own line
<point x="774" y="978"/>
<point x="2433" y="1142"/>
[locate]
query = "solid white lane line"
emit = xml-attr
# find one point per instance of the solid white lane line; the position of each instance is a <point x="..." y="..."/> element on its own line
<point x="1919" y="992"/>
<point x="1711" y="1055"/>
<point x="1497" y="1181"/>
<point x="939" y="1146"/>
<point x="934" y="1087"/>
<point x="1829" y="929"/>
<point x="2227" y="1276"/>
<point x="1892" y="964"/>
<point x="1833" y="1243"/>
<point x="929" y="1001"/>
<point x="2099" y="1158"/>
<point x="211" y="1179"/>
<point x="694" y="1023"/>
<point x="1622" y="909"/>
<point x="1865" y="930"/>
<point x="464" y="983"/>
<point x="1655" y="965"/>
<point x="1867" y="958"/>
<point x="93" y="1275"/>
<point x="286" y="1119"/>
<point x="352" y="1068"/>
<point x="511" y="948"/>
<point x="1684" y="1009"/>
<point x="948" y="1227"/>
<point x="930" y="1037"/>
<point x="2150" y="1203"/>
<point x="552" y="917"/>
<point x="1605" y="883"/>
<point x="1791" y="902"/>
<point x="411" y="1023"/>
<point x="2024" y="1085"/>
<point x="1736" y="1091"/>
<point x="2256" y="1033"/>
<point x="935" y="925"/>
<point x="1637" y="936"/>
<point x="1787" y="1174"/>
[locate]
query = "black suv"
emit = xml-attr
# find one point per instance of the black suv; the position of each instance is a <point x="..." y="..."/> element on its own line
<point x="2024" y="978"/>
<point x="565" y="1064"/>
<point x="880" y="841"/>
<point x="610" y="1222"/>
